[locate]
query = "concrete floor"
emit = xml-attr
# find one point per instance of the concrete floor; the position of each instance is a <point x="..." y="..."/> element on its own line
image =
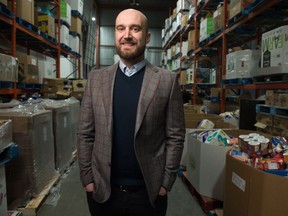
<point x="72" y="201"/>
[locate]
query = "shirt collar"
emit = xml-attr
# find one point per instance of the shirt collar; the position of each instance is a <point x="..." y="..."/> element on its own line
<point x="135" y="67"/>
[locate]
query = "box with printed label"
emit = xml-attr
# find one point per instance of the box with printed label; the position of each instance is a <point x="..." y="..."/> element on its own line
<point x="46" y="24"/>
<point x="252" y="192"/>
<point x="274" y="50"/>
<point x="242" y="64"/>
<point x="28" y="69"/>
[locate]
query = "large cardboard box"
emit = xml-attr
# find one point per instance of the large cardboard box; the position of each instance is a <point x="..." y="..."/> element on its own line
<point x="28" y="69"/>
<point x="8" y="68"/>
<point x="242" y="64"/>
<point x="206" y="165"/>
<point x="25" y="10"/>
<point x="65" y="12"/>
<point x="252" y="192"/>
<point x="206" y="28"/>
<point x="76" y="25"/>
<point x="205" y="168"/>
<point x="274" y="49"/>
<point x="46" y="24"/>
<point x="33" y="169"/>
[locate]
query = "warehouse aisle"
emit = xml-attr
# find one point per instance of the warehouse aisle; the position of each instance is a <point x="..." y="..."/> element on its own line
<point x="72" y="201"/>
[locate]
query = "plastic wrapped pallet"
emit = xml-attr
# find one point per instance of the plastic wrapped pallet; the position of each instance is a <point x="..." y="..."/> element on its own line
<point x="62" y="132"/>
<point x="5" y="133"/>
<point x="29" y="173"/>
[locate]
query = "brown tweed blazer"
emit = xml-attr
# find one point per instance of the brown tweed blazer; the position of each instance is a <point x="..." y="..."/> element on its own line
<point x="159" y="132"/>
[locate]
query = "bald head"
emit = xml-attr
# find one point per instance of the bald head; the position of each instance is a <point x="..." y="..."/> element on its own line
<point x="134" y="13"/>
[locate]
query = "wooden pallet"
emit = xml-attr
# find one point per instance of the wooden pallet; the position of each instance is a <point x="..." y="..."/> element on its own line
<point x="207" y="204"/>
<point x="35" y="203"/>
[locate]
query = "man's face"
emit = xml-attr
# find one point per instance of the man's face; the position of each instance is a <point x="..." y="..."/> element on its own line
<point x="131" y="36"/>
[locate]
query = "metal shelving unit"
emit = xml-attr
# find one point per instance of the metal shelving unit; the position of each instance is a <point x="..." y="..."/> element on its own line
<point x="246" y="26"/>
<point x="16" y="32"/>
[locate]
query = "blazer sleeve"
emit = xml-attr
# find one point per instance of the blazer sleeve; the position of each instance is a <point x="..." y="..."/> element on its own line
<point x="175" y="134"/>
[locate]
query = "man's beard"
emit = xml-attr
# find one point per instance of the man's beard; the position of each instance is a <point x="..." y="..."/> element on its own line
<point x="127" y="55"/>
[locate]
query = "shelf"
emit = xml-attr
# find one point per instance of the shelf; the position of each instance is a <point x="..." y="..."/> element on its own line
<point x="259" y="86"/>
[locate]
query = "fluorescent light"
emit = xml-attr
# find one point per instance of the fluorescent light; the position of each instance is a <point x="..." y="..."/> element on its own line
<point x="93" y="18"/>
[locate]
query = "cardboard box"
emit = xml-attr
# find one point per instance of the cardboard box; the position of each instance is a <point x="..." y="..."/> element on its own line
<point x="3" y="191"/>
<point x="252" y="192"/>
<point x="33" y="169"/>
<point x="79" y="85"/>
<point x="206" y="28"/>
<point x="76" y="25"/>
<point x="28" y="69"/>
<point x="52" y="85"/>
<point x="46" y="24"/>
<point x="242" y="64"/>
<point x="218" y="18"/>
<point x="25" y="10"/>
<point x="206" y="165"/>
<point x="65" y="12"/>
<point x="274" y="49"/>
<point x="205" y="168"/>
<point x="8" y="68"/>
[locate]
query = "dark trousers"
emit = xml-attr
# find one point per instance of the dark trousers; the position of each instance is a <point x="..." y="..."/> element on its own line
<point x="127" y="203"/>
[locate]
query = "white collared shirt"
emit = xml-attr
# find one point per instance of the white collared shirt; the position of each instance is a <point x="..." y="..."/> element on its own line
<point x="133" y="70"/>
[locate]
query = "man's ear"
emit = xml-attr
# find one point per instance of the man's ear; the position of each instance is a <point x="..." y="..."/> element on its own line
<point x="148" y="36"/>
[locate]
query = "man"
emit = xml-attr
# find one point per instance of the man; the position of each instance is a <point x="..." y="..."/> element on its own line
<point x="131" y="130"/>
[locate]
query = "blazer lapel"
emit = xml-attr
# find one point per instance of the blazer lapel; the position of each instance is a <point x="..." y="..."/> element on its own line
<point x="150" y="83"/>
<point x="107" y="89"/>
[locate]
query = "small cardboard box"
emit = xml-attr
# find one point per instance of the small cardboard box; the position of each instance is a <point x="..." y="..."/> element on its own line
<point x="25" y="10"/>
<point x="46" y="24"/>
<point x="79" y="85"/>
<point x="252" y="192"/>
<point x="28" y="69"/>
<point x="76" y="25"/>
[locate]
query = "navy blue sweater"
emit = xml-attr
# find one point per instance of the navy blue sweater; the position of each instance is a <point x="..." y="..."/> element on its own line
<point x="125" y="168"/>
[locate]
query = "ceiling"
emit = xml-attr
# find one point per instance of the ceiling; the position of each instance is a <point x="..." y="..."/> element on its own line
<point x="163" y="5"/>
<point x="155" y="10"/>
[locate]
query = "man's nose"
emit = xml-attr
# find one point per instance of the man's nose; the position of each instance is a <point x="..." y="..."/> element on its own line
<point x="127" y="33"/>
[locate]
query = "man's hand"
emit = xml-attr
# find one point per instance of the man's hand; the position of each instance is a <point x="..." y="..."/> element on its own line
<point x="89" y="187"/>
<point x="163" y="191"/>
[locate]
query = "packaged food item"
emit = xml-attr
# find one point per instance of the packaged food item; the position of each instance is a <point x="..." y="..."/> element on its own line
<point x="271" y="164"/>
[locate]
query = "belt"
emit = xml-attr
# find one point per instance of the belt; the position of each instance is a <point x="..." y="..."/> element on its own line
<point x="129" y="188"/>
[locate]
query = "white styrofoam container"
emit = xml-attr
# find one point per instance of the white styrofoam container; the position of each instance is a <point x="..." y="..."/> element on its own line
<point x="47" y="69"/>
<point x="242" y="64"/>
<point x="274" y="50"/>
<point x="182" y="5"/>
<point x="64" y="35"/>
<point x="74" y="42"/>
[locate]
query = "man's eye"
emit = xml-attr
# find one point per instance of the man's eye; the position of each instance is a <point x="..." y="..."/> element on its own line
<point x="120" y="29"/>
<point x="136" y="29"/>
